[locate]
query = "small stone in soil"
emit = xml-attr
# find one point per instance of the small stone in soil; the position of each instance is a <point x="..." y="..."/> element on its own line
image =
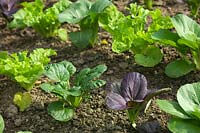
<point x="11" y="111"/>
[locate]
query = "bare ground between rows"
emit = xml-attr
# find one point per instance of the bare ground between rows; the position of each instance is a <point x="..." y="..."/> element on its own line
<point x="92" y="115"/>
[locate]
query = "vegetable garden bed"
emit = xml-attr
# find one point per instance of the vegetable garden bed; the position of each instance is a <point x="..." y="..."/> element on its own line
<point x="93" y="115"/>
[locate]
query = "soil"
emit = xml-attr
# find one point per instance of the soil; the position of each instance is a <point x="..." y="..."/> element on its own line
<point x="93" y="115"/>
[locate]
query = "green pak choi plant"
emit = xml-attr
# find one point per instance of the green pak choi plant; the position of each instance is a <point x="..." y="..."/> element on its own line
<point x="25" y="69"/>
<point x="133" y="32"/>
<point x="70" y="94"/>
<point x="185" y="111"/>
<point x="185" y="40"/>
<point x="131" y="94"/>
<point x="44" y="21"/>
<point x="85" y="13"/>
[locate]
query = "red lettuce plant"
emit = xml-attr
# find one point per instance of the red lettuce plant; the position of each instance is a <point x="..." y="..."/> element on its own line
<point x="131" y="94"/>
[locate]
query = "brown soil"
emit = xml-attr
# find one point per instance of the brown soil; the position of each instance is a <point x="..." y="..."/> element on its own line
<point x="93" y="115"/>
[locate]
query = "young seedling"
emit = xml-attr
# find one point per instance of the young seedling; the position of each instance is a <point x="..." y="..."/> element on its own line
<point x="133" y="32"/>
<point x="194" y="7"/>
<point x="44" y="21"/>
<point x="186" y="110"/>
<point x="131" y="94"/>
<point x="25" y="69"/>
<point x="86" y="14"/>
<point x="186" y="39"/>
<point x="70" y="97"/>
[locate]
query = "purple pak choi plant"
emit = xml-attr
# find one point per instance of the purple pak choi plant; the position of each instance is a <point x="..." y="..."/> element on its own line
<point x="131" y="94"/>
<point x="9" y="7"/>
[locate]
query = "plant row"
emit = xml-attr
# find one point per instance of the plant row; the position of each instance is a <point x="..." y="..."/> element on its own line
<point x="130" y="94"/>
<point x="141" y="32"/>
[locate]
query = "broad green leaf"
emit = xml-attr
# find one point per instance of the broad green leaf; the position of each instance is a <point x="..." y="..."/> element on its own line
<point x="47" y="87"/>
<point x="62" y="34"/>
<point x="100" y="5"/>
<point x="178" y="68"/>
<point x="82" y="39"/>
<point x="166" y="37"/>
<point x="22" y="100"/>
<point x="1" y="124"/>
<point x="172" y="108"/>
<point x="59" y="112"/>
<point x="75" y="12"/>
<point x="188" y="97"/>
<point x="151" y="57"/>
<point x="60" y="71"/>
<point x="187" y="28"/>
<point x="176" y="125"/>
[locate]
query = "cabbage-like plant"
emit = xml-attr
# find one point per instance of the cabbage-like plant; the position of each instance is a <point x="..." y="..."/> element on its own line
<point x="186" y="110"/>
<point x="70" y="94"/>
<point x="131" y="94"/>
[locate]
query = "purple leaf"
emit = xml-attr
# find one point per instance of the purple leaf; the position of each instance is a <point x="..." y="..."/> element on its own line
<point x="127" y="93"/>
<point x="9" y="7"/>
<point x="134" y="86"/>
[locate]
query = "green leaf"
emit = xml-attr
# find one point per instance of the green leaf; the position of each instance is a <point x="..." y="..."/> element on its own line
<point x="1" y="124"/>
<point x="172" y="108"/>
<point x="62" y="34"/>
<point x="100" y="5"/>
<point x="176" y="125"/>
<point x="59" y="112"/>
<point x="178" y="68"/>
<point x="187" y="29"/>
<point x="188" y="97"/>
<point x="76" y="12"/>
<point x="60" y="71"/>
<point x="22" y="100"/>
<point x="82" y="39"/>
<point x="88" y="78"/>
<point x="47" y="87"/>
<point x="151" y="57"/>
<point x="166" y="37"/>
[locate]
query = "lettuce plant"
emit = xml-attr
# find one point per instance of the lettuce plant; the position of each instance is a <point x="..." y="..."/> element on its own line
<point x="70" y="97"/>
<point x="9" y="7"/>
<point x="86" y="14"/>
<point x="24" y="69"/>
<point x="133" y="32"/>
<point x="194" y="7"/>
<point x="186" y="110"/>
<point x="131" y="94"/>
<point x="187" y="39"/>
<point x="44" y="21"/>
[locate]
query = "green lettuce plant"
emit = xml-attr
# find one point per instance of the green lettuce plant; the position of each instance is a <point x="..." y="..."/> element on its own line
<point x="70" y="94"/>
<point x="25" y="69"/>
<point x="44" y="21"/>
<point x="85" y="13"/>
<point x="186" y="40"/>
<point x="133" y="32"/>
<point x="186" y="110"/>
